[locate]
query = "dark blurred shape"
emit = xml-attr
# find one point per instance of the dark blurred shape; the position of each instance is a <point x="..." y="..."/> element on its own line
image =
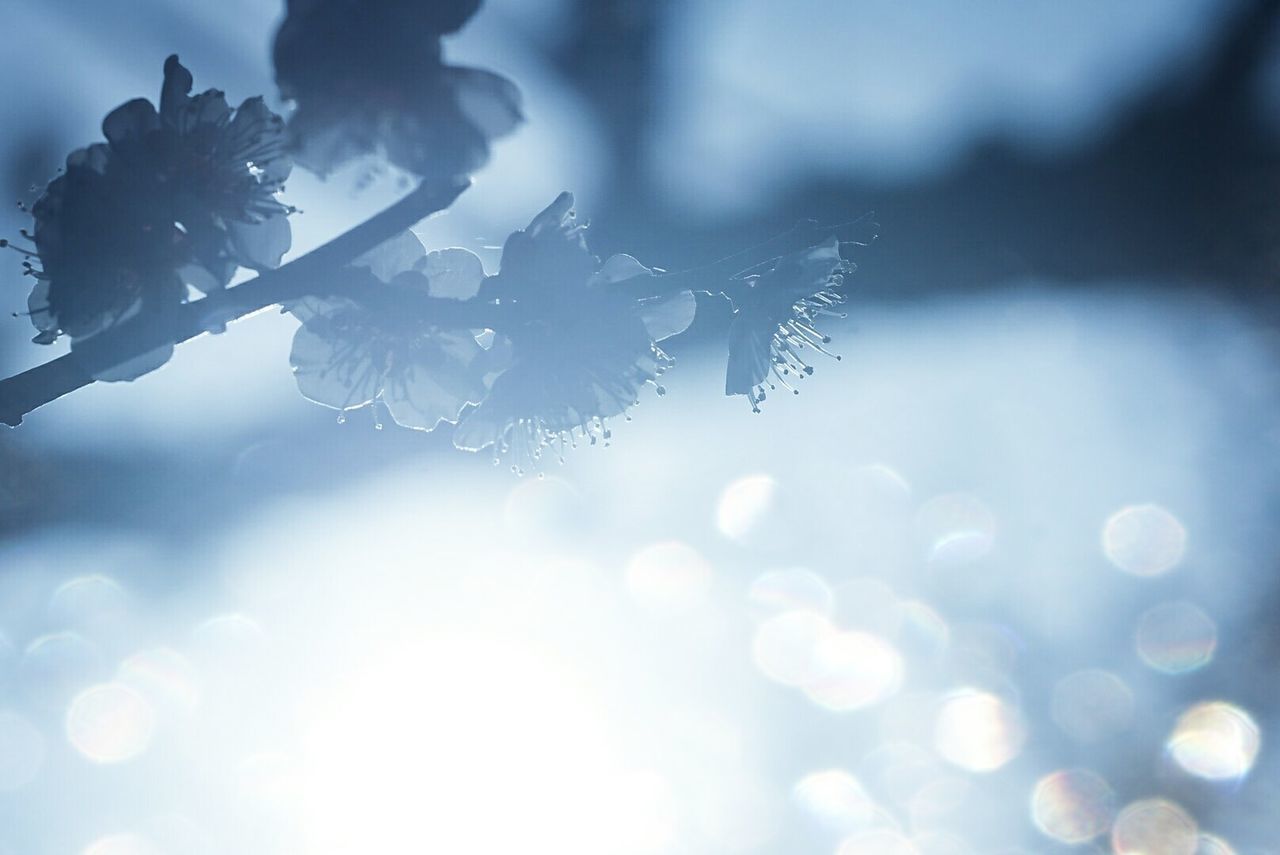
<point x="1183" y="190"/>
<point x="176" y="196"/>
<point x="581" y="349"/>
<point x="370" y="77"/>
<point x="777" y="317"/>
<point x="348" y="355"/>
<point x="1180" y="192"/>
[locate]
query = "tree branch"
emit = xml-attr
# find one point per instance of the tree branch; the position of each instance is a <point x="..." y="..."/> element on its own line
<point x="301" y="277"/>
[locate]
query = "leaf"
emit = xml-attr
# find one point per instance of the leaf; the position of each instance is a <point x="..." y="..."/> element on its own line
<point x="130" y="121"/>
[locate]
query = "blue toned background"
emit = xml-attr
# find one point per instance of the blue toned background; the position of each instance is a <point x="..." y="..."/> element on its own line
<point x="1000" y="581"/>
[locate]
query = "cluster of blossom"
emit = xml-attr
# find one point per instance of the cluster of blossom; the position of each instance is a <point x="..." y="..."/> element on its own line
<point x="527" y="361"/>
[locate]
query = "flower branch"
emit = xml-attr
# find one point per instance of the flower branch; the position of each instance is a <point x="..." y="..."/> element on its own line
<point x="308" y="275"/>
<point x="528" y="361"/>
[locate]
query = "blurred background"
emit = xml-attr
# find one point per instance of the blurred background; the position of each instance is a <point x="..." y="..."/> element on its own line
<point x="1001" y="581"/>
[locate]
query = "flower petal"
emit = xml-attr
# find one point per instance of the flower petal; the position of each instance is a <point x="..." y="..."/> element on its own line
<point x="555" y="217"/>
<point x="420" y="393"/>
<point x="619" y="268"/>
<point x="130" y="121"/>
<point x="252" y="117"/>
<point x="335" y="371"/>
<point x="208" y="108"/>
<point x="40" y="313"/>
<point x="174" y="91"/>
<point x="94" y="157"/>
<point x="276" y="170"/>
<point x="261" y="245"/>
<point x="664" y="317"/>
<point x="499" y="354"/>
<point x="547" y="256"/>
<point x="480" y="428"/>
<point x="805" y="271"/>
<point x="398" y="255"/>
<point x="201" y="278"/>
<point x="454" y="272"/>
<point x="748" y="357"/>
<point x="257" y="135"/>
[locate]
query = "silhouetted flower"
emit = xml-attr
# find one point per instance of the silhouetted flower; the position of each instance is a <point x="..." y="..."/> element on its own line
<point x="347" y="355"/>
<point x="579" y="348"/>
<point x="178" y="196"/>
<point x="775" y="319"/>
<point x="370" y="77"/>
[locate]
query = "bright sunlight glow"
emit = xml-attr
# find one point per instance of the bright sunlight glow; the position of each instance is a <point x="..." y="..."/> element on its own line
<point x="468" y="745"/>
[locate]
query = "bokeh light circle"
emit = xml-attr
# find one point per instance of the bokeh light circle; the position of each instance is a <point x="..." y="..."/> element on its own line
<point x="1145" y="540"/>
<point x="22" y="751"/>
<point x="110" y="723"/>
<point x="853" y="670"/>
<point x="785" y="645"/>
<point x="1211" y="844"/>
<point x="544" y="508"/>
<point x="1215" y="740"/>
<point x="745" y="504"/>
<point x="91" y="603"/>
<point x="838" y="800"/>
<point x="879" y="484"/>
<point x="1154" y="827"/>
<point x="668" y="578"/>
<point x="1091" y="705"/>
<point x="227" y="642"/>
<point x="956" y="528"/>
<point x="164" y="677"/>
<point x="1176" y="638"/>
<point x="978" y="731"/>
<point x="792" y="589"/>
<point x="463" y="744"/>
<point x="1072" y="806"/>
